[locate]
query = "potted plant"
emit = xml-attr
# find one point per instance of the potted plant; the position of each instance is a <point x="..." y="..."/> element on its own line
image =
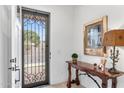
<point x="74" y="58"/>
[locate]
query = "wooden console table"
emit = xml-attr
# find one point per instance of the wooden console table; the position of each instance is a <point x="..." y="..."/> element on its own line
<point x="89" y="69"/>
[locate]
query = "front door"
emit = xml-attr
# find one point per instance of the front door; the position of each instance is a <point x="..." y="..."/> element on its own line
<point x="35" y="47"/>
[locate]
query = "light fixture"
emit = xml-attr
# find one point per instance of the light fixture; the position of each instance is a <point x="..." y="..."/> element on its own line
<point x="114" y="38"/>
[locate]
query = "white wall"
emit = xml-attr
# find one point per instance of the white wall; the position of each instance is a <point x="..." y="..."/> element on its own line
<point x="84" y="14"/>
<point x="61" y="35"/>
<point x="5" y="45"/>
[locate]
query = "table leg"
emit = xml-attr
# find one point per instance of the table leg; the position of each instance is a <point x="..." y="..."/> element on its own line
<point x="114" y="82"/>
<point x="104" y="83"/>
<point x="77" y="78"/>
<point x="69" y="76"/>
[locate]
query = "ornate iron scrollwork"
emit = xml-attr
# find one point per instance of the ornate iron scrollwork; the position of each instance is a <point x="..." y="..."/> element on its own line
<point x="91" y="78"/>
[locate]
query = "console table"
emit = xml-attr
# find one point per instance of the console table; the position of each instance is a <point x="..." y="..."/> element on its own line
<point x="90" y="70"/>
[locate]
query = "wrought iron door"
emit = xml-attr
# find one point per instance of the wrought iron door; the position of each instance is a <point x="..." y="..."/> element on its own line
<point x="35" y="47"/>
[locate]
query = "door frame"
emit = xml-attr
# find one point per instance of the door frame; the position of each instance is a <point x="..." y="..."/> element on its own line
<point x="47" y="51"/>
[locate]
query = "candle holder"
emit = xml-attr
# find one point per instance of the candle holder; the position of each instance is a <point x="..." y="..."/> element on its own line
<point x="114" y="54"/>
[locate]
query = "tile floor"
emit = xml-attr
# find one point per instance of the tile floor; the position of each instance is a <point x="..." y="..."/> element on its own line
<point x="61" y="85"/>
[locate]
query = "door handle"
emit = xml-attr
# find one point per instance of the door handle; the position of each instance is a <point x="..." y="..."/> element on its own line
<point x="15" y="68"/>
<point x="17" y="80"/>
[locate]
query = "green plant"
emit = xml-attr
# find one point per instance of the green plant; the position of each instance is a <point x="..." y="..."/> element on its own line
<point x="31" y="37"/>
<point x="74" y="55"/>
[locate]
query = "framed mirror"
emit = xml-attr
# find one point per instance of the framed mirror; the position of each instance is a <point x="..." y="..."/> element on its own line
<point x="93" y="36"/>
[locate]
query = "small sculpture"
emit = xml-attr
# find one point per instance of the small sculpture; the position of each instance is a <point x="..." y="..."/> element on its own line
<point x="102" y="64"/>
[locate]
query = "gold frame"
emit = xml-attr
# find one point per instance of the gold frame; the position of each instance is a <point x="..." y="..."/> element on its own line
<point x="95" y="51"/>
